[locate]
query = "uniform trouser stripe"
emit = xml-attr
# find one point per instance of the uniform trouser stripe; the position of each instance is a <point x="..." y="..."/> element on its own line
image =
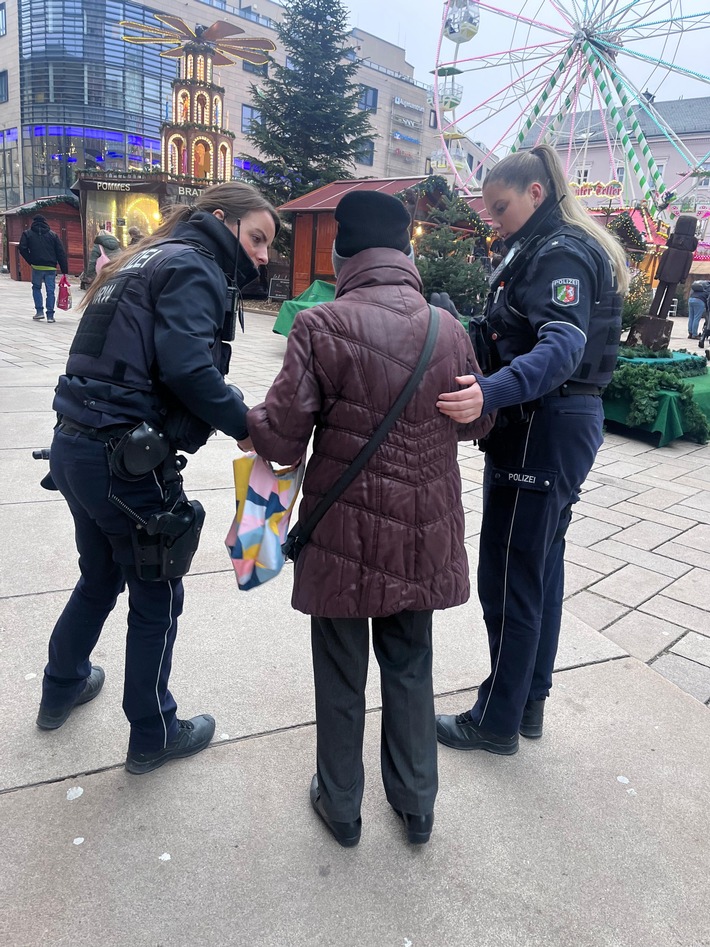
<point x="506" y="577"/>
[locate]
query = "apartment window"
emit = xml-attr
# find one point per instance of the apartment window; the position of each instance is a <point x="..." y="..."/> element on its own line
<point x="366" y="153"/>
<point x="432" y="118"/>
<point x="3" y="20"/>
<point x="250" y="116"/>
<point x="3" y="86"/>
<point x="661" y="167"/>
<point x="368" y="98"/>
<point x="620" y="174"/>
<point x="704" y="181"/>
<point x="582" y="175"/>
<point x="256" y="70"/>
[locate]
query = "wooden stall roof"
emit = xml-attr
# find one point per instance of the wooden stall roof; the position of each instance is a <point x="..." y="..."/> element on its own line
<point x="326" y="198"/>
<point x="43" y="203"/>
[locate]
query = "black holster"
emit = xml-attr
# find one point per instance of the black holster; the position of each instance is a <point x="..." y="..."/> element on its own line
<point x="163" y="548"/>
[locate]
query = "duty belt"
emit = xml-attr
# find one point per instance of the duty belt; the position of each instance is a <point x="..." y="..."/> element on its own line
<point x="103" y="434"/>
<point x="576" y="388"/>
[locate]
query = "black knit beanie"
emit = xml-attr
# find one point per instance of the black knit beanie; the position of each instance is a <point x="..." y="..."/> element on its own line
<point x="40" y="218"/>
<point x="371" y="219"/>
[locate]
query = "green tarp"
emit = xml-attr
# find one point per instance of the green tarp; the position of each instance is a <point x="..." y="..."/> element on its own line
<point x="317" y="292"/>
<point x="669" y="420"/>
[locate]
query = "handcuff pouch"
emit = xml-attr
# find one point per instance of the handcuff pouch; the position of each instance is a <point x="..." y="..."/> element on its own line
<point x="139" y="451"/>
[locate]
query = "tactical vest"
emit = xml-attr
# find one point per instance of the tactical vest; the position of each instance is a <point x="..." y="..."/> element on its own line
<point x="509" y="333"/>
<point x="111" y="372"/>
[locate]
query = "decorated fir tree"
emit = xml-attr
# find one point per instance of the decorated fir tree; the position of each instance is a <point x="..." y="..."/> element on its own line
<point x="309" y="128"/>
<point x="443" y="251"/>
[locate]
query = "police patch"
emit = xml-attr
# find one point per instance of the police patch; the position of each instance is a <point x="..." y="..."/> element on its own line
<point x="565" y="292"/>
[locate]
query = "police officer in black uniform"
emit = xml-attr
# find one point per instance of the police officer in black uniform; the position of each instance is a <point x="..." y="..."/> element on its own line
<point x="145" y="378"/>
<point x="550" y="336"/>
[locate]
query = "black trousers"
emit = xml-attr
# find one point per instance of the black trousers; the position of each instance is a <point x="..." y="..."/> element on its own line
<point x="80" y="470"/>
<point x="403" y="648"/>
<point x="533" y="474"/>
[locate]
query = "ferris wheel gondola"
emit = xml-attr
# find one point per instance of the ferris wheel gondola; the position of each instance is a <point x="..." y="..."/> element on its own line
<point x="569" y="72"/>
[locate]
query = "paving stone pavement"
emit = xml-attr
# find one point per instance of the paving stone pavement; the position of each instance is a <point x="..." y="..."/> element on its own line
<point x="632" y="689"/>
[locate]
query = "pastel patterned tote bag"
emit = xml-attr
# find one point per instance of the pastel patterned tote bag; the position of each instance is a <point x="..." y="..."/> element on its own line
<point x="265" y="498"/>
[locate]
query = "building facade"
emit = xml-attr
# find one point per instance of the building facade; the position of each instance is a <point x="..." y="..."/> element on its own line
<point x="74" y="95"/>
<point x="603" y="175"/>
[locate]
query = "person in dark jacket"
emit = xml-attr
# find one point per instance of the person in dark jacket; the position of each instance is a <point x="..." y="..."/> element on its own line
<point x="697" y="307"/>
<point x="391" y="548"/>
<point x="145" y="378"/>
<point x="136" y="234"/>
<point x="554" y="321"/>
<point x="44" y="251"/>
<point x="102" y="241"/>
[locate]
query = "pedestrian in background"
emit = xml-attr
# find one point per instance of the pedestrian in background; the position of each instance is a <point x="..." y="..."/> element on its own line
<point x="43" y="250"/>
<point x="144" y="379"/>
<point x="136" y="234"/>
<point x="554" y="320"/>
<point x="697" y="305"/>
<point x="390" y="549"/>
<point x="105" y="248"/>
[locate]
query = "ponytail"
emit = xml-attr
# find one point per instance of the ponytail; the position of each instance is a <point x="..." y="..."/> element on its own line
<point x="542" y="165"/>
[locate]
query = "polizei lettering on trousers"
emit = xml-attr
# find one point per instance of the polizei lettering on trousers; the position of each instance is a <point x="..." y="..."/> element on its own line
<point x="522" y="478"/>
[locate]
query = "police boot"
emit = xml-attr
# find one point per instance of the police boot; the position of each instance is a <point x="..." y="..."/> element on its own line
<point x="52" y="718"/>
<point x="531" y="723"/>
<point x="193" y="735"/>
<point x="461" y="733"/>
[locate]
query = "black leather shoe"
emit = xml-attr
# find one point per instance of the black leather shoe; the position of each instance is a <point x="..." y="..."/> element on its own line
<point x="418" y="826"/>
<point x="346" y="834"/>
<point x="193" y="735"/>
<point x="53" y="718"/>
<point x="531" y="724"/>
<point x="461" y="733"/>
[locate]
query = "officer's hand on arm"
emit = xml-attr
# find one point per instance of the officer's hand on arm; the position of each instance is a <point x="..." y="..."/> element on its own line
<point x="245" y="444"/>
<point x="465" y="405"/>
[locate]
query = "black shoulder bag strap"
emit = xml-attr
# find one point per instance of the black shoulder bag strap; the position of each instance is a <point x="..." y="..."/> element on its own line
<point x="300" y="534"/>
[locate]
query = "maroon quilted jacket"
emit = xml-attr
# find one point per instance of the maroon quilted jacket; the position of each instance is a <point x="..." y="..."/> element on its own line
<point x="394" y="539"/>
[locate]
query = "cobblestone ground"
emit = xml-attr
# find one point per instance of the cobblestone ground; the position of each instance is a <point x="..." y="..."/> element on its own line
<point x="638" y="549"/>
<point x="594" y="836"/>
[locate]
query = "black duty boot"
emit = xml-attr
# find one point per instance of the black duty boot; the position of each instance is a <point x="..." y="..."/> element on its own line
<point x="346" y="834"/>
<point x="193" y="735"/>
<point x="461" y="733"/>
<point x="418" y="826"/>
<point x="51" y="718"/>
<point x="531" y="724"/>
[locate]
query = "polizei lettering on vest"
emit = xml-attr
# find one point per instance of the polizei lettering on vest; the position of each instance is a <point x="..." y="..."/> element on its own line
<point x="522" y="478"/>
<point x="138" y="261"/>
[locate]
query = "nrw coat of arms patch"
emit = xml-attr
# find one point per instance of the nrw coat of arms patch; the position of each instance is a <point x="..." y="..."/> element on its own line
<point x="565" y="292"/>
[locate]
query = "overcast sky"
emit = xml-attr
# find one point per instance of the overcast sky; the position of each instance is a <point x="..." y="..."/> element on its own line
<point x="415" y="25"/>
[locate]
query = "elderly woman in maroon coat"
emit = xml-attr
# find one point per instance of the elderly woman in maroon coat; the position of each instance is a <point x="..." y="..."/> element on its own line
<point x="391" y="548"/>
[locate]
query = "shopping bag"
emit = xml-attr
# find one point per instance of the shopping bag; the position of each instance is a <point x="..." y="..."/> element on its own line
<point x="64" y="294"/>
<point x="265" y="498"/>
<point x="102" y="260"/>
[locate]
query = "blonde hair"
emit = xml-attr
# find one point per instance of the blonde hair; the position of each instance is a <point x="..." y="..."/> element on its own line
<point x="235" y="198"/>
<point x="541" y="165"/>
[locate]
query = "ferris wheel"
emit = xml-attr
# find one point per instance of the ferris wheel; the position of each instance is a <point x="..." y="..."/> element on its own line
<point x="574" y="73"/>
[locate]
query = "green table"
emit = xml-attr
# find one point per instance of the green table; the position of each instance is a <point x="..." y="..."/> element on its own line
<point x="669" y="421"/>
<point x="317" y="292"/>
